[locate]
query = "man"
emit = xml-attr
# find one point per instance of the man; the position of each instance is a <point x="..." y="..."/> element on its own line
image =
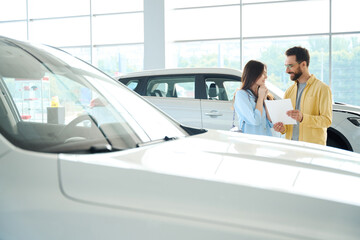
<point x="311" y="99"/>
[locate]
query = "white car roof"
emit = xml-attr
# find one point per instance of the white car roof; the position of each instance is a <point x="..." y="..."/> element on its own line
<point x="173" y="71"/>
<point x="347" y="108"/>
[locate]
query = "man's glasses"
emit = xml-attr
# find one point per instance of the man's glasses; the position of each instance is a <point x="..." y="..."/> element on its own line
<point x="288" y="66"/>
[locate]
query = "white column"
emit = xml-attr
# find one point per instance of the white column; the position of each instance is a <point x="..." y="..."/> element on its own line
<point x="154" y="34"/>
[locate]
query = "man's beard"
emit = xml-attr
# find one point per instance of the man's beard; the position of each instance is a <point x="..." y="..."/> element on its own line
<point x="296" y="75"/>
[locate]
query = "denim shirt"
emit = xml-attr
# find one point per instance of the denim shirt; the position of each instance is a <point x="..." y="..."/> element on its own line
<point x="250" y="119"/>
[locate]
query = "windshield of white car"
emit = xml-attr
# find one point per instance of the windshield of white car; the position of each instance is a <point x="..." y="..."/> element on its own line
<point x="53" y="102"/>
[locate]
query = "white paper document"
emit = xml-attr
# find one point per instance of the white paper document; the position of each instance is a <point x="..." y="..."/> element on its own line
<point x="277" y="110"/>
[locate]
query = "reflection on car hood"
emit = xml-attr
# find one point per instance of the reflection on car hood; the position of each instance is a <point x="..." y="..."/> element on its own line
<point x="263" y="162"/>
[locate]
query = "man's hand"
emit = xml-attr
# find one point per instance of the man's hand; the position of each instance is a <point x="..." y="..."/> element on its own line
<point x="279" y="127"/>
<point x="295" y="114"/>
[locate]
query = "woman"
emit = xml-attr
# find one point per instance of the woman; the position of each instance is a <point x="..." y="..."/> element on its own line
<point x="249" y="100"/>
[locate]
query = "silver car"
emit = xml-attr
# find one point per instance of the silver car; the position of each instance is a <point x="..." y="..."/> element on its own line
<point x="202" y="98"/>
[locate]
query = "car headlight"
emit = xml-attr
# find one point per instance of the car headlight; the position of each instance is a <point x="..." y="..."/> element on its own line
<point x="354" y="120"/>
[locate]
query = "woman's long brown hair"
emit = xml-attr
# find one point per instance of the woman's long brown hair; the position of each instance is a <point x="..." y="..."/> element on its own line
<point x="252" y="71"/>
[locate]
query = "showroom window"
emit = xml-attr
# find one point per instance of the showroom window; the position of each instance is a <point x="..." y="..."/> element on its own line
<point x="333" y="39"/>
<point x="271" y="51"/>
<point x="16" y="29"/>
<point x="200" y="33"/>
<point x="222" y="53"/>
<point x="13" y="10"/>
<point x="13" y="19"/>
<point x="54" y="23"/>
<point x="346" y="68"/>
<point x="345" y="15"/>
<point x="200" y="3"/>
<point x="118" y="36"/>
<point x="61" y="32"/>
<point x="117" y="60"/>
<point x="57" y="8"/>
<point x="203" y="34"/>
<point x="109" y="34"/>
<point x="284" y="18"/>
<point x="345" y="55"/>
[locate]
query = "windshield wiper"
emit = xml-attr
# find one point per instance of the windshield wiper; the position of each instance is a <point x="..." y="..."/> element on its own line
<point x="165" y="139"/>
<point x="81" y="147"/>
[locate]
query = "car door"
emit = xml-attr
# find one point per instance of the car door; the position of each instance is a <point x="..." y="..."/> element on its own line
<point x="175" y="95"/>
<point x="217" y="107"/>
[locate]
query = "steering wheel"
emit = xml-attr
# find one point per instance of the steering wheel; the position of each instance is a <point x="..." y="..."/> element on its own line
<point x="68" y="129"/>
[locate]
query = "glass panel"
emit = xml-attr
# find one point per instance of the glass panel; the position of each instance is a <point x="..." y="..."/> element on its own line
<point x="132" y="84"/>
<point x="204" y="54"/>
<point x="14" y="30"/>
<point x="345" y="14"/>
<point x="226" y="88"/>
<point x="279" y="19"/>
<point x="61" y="32"/>
<point x="158" y="90"/>
<point x="111" y="6"/>
<point x="204" y="23"/>
<point x="87" y="107"/>
<point x="12" y="10"/>
<point x="115" y="29"/>
<point x="58" y="8"/>
<point x="345" y="73"/>
<point x="257" y="1"/>
<point x="82" y="53"/>
<point x="199" y="3"/>
<point x="271" y="51"/>
<point x="32" y="97"/>
<point x="230" y="88"/>
<point x="185" y="90"/>
<point x="119" y="60"/>
<point x="175" y="86"/>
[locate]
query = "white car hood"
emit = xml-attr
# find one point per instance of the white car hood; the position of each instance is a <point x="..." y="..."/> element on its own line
<point x="203" y="155"/>
<point x="228" y="179"/>
<point x="258" y="161"/>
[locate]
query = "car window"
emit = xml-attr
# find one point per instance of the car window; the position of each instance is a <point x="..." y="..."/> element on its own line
<point x="221" y="88"/>
<point x="132" y="84"/>
<point x="185" y="89"/>
<point x="52" y="102"/>
<point x="230" y="88"/>
<point x="171" y="86"/>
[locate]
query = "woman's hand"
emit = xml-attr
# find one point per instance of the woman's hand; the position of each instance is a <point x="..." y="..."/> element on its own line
<point x="279" y="127"/>
<point x="263" y="92"/>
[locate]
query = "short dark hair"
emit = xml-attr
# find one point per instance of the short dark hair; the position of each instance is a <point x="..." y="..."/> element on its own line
<point x="301" y="54"/>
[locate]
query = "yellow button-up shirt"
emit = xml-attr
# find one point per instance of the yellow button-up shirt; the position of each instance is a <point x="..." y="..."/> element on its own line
<point x="316" y="107"/>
